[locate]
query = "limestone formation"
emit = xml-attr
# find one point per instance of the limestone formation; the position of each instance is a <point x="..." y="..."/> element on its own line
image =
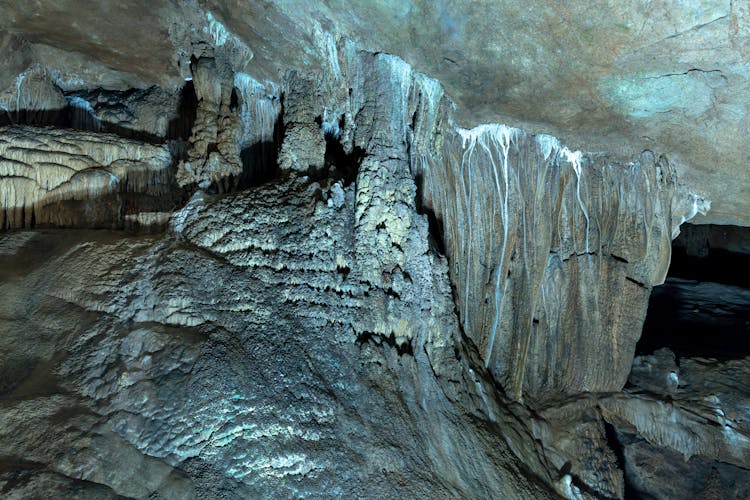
<point x="42" y="168"/>
<point x="246" y="252"/>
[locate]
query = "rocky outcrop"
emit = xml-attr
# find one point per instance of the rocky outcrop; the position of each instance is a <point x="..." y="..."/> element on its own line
<point x="152" y="113"/>
<point x="294" y="338"/>
<point x="213" y="154"/>
<point x="33" y="98"/>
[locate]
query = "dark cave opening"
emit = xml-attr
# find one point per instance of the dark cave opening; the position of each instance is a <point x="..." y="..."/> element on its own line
<point x="35" y="117"/>
<point x="338" y="164"/>
<point x="181" y="126"/>
<point x="82" y="113"/>
<point x="435" y="224"/>
<point x="342" y="165"/>
<point x="703" y="308"/>
<point x="260" y="162"/>
<point x="617" y="446"/>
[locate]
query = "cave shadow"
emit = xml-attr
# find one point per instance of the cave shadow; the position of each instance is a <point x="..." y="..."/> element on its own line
<point x="703" y="308"/>
<point x="73" y="117"/>
<point x="435" y="223"/>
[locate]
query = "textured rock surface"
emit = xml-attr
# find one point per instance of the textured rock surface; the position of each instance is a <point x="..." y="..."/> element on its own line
<point x="43" y="172"/>
<point x="552" y="220"/>
<point x="151" y="112"/>
<point x="611" y="76"/>
<point x="254" y="359"/>
<point x="329" y="287"/>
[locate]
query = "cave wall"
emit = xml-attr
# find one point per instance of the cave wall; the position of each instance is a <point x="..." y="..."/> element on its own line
<point x="553" y="255"/>
<point x="556" y="226"/>
<point x="353" y="293"/>
<point x="296" y="337"/>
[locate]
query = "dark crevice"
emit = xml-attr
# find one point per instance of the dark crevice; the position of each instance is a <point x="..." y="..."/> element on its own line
<point x="380" y="339"/>
<point x="614" y="444"/>
<point x="234" y="100"/>
<point x="260" y="161"/>
<point x="340" y="165"/>
<point x="635" y="281"/>
<point x="181" y="126"/>
<point x="435" y="224"/>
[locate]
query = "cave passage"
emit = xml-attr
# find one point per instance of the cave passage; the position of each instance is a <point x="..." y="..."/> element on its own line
<point x="703" y="308"/>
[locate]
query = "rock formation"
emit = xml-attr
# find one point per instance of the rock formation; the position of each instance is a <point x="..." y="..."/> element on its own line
<point x="319" y="282"/>
<point x="52" y="177"/>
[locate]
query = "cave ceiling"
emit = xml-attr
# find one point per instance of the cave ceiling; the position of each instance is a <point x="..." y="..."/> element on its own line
<point x="615" y="76"/>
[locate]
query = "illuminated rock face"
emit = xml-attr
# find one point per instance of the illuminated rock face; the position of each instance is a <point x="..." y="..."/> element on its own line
<point x="294" y="338"/>
<point x="553" y="254"/>
<point x="42" y="170"/>
<point x="265" y="346"/>
<point x="331" y="288"/>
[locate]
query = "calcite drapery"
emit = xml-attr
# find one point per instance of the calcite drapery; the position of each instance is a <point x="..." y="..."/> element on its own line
<point x="45" y="166"/>
<point x="552" y="254"/>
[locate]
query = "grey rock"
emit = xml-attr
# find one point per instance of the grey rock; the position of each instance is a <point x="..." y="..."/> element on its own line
<point x="330" y="287"/>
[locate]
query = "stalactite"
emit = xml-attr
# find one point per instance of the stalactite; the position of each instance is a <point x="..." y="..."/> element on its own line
<point x="260" y="107"/>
